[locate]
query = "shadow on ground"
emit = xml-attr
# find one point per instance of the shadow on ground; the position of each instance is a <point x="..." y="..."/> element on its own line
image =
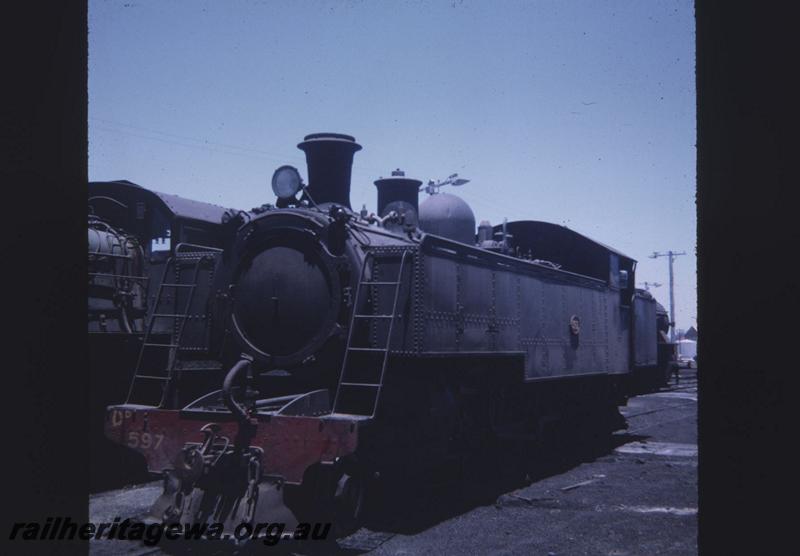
<point x="410" y="507"/>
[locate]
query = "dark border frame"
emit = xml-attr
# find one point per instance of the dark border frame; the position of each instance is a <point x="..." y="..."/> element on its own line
<point x="747" y="236"/>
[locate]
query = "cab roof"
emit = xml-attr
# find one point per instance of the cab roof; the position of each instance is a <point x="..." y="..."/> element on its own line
<point x="178" y="207"/>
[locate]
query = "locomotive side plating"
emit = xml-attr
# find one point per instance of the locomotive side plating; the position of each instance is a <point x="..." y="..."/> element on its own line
<point x="362" y="346"/>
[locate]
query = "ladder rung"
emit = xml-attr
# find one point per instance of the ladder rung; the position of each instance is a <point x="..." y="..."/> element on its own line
<point x="161" y="345"/>
<point x="384" y="351"/>
<point x="374" y="316"/>
<point x="153" y="377"/>
<point x="168" y="315"/>
<point x="177" y="285"/>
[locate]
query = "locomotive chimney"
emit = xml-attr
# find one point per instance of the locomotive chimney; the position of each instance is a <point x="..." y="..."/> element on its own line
<point x="399" y="192"/>
<point x="329" y="157"/>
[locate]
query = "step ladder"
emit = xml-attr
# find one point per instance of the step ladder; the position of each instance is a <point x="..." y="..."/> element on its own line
<point x="367" y="391"/>
<point x="141" y="390"/>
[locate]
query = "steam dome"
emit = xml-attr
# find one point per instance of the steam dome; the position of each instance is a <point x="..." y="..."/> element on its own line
<point x="448" y="216"/>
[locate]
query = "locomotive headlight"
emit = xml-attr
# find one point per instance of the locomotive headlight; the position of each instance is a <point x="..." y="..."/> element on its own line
<point x="286" y="182"/>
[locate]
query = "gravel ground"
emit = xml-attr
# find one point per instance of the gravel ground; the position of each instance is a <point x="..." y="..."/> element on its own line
<point x="634" y="495"/>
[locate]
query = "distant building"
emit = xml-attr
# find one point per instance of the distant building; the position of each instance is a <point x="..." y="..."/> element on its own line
<point x="691" y="334"/>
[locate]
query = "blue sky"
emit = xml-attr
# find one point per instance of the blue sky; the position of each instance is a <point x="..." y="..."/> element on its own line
<point x="580" y="113"/>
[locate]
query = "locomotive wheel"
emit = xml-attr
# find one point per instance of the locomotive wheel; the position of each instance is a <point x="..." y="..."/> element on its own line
<point x="348" y="504"/>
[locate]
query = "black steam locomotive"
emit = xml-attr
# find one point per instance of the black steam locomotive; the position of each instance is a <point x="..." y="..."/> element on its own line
<point x="134" y="234"/>
<point x="313" y="348"/>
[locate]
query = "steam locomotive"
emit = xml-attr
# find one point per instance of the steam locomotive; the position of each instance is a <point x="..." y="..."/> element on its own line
<point x="132" y="234"/>
<point x="313" y="348"/>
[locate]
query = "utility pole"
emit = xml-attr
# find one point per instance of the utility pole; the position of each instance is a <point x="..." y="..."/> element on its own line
<point x="671" y="255"/>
